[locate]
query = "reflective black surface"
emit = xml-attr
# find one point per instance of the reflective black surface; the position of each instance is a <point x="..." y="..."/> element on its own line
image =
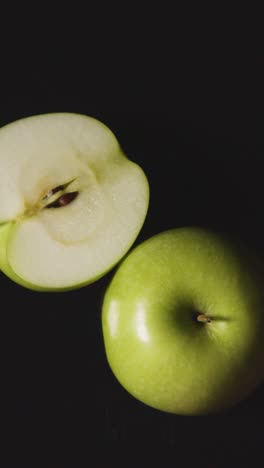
<point x="198" y="134"/>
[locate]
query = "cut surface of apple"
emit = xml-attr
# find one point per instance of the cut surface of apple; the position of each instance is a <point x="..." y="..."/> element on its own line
<point x="71" y="202"/>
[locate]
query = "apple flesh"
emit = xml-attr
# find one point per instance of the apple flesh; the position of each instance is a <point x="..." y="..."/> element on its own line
<point x="72" y="203"/>
<point x="183" y="322"/>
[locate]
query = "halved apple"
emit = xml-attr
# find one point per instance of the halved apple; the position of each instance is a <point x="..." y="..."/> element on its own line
<point x="71" y="202"/>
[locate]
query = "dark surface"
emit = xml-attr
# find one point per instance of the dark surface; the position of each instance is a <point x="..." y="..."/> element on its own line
<point x="196" y="130"/>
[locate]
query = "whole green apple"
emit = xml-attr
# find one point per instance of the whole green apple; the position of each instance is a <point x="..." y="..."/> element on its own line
<point x="71" y="202"/>
<point x="183" y="322"/>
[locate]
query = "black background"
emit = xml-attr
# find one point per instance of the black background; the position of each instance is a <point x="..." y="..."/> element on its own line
<point x="189" y="111"/>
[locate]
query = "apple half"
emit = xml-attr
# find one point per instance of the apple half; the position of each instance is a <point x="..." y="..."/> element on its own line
<point x="71" y="202"/>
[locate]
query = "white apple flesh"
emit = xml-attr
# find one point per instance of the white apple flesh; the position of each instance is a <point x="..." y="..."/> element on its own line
<point x="183" y="322"/>
<point x="71" y="202"/>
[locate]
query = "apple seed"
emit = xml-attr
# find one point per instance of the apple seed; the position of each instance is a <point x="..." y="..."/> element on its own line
<point x="64" y="200"/>
<point x="59" y="188"/>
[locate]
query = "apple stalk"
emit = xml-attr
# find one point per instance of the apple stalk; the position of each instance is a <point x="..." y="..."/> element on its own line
<point x="204" y="318"/>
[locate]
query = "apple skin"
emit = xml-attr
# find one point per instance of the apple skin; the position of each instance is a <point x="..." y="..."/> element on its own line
<point x="158" y="350"/>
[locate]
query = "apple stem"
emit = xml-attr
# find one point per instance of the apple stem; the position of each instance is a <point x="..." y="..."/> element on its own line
<point x="203" y="318"/>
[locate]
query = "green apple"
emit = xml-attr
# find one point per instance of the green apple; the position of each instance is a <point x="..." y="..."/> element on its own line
<point x="183" y="322"/>
<point x="71" y="202"/>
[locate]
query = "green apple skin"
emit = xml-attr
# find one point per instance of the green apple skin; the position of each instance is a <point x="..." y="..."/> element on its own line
<point x="158" y="350"/>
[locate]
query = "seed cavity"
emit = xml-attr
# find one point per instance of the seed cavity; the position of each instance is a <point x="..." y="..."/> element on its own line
<point x="59" y="188"/>
<point x="58" y="197"/>
<point x="64" y="200"/>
